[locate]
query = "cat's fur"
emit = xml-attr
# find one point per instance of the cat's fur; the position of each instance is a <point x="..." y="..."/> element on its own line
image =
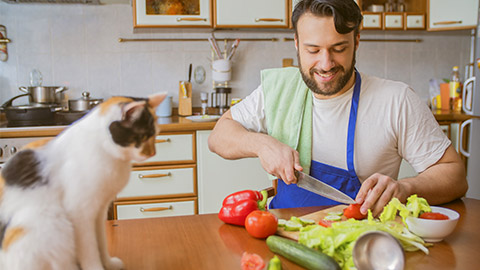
<point x="54" y="197"/>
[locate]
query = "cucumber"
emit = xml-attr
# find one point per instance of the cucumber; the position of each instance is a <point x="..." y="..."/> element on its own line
<point x="293" y="226"/>
<point x="304" y="256"/>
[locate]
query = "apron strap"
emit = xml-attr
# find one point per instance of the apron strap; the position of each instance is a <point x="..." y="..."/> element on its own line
<point x="352" y="121"/>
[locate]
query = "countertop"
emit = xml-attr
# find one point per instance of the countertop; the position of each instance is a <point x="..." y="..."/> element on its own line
<point x="166" y="124"/>
<point x="204" y="242"/>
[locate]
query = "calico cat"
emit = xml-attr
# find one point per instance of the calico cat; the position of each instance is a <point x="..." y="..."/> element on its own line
<point x="54" y="195"/>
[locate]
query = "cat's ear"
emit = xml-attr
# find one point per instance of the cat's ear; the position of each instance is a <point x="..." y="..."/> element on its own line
<point x="155" y="99"/>
<point x="133" y="110"/>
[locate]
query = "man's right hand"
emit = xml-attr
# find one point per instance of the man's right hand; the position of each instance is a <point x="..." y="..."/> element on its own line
<point x="279" y="159"/>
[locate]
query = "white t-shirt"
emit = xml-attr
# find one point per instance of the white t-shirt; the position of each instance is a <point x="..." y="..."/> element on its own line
<point x="392" y="123"/>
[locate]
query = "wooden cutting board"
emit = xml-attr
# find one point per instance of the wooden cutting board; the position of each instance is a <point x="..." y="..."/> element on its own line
<point x="317" y="216"/>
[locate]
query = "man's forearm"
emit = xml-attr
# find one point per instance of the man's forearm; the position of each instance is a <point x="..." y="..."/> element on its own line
<point x="230" y="140"/>
<point x="442" y="182"/>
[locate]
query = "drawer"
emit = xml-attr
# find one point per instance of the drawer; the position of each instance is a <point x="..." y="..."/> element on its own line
<point x="372" y="20"/>
<point x="415" y="21"/>
<point x="174" y="148"/>
<point x="161" y="181"/>
<point x="154" y="209"/>
<point x="393" y="21"/>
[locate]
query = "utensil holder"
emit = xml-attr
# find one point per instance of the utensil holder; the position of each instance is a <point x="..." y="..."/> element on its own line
<point x="184" y="98"/>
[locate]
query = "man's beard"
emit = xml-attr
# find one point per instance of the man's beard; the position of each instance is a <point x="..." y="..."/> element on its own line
<point x="328" y="88"/>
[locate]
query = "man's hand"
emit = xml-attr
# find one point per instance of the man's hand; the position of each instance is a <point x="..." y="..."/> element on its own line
<point x="279" y="159"/>
<point x="377" y="190"/>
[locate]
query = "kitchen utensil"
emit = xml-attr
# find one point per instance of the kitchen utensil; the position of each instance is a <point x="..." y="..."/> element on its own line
<point x="221" y="70"/>
<point x="29" y="115"/>
<point x="165" y="108"/>
<point x="309" y="183"/>
<point x="190" y="73"/>
<point x="36" y="78"/>
<point x="84" y="103"/>
<point x="221" y="98"/>
<point x="378" y="250"/>
<point x="213" y="44"/>
<point x="203" y="118"/>
<point x="68" y="117"/>
<point x="44" y="94"/>
<point x="233" y="49"/>
<point x="185" y="102"/>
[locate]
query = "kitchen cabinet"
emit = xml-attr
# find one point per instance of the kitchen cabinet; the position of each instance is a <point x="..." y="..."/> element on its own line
<point x="218" y="177"/>
<point x="452" y="15"/>
<point x="174" y="13"/>
<point x="251" y="13"/>
<point x="164" y="185"/>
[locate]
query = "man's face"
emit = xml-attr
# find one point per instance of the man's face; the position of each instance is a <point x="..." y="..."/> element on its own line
<point x="326" y="58"/>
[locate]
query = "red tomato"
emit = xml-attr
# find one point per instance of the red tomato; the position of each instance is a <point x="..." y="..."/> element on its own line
<point x="326" y="223"/>
<point x="433" y="215"/>
<point x="261" y="224"/>
<point x="252" y="261"/>
<point x="353" y="211"/>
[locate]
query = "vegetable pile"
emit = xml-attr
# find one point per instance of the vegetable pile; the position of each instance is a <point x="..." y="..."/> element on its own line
<point x="237" y="206"/>
<point x="339" y="239"/>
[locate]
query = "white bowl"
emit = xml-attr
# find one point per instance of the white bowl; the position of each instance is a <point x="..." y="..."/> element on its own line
<point x="434" y="230"/>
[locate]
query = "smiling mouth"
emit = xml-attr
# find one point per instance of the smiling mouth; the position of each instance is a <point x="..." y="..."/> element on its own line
<point x="327" y="76"/>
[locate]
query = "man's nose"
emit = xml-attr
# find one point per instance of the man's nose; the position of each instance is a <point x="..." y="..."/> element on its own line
<point x="325" y="61"/>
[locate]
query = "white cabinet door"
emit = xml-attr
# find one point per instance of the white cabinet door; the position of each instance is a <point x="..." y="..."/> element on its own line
<point x="452" y="14"/>
<point x="251" y="13"/>
<point x="218" y="177"/>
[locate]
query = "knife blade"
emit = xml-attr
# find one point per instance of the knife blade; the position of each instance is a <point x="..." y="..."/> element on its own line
<point x="316" y="186"/>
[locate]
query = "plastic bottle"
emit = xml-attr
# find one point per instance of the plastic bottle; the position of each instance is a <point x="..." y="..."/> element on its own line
<point x="455" y="91"/>
<point x="204" y="99"/>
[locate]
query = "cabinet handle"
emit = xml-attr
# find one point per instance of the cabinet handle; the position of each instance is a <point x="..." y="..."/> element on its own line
<point x="158" y="175"/>
<point x="163" y="140"/>
<point x="190" y="19"/>
<point x="446" y="22"/>
<point x="268" y="20"/>
<point x="155" y="209"/>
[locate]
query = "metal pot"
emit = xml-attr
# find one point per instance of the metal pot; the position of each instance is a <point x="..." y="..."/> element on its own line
<point x="44" y="94"/>
<point x="84" y="103"/>
<point x="29" y="115"/>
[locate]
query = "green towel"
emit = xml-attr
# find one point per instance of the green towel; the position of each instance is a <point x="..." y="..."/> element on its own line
<point x="288" y="110"/>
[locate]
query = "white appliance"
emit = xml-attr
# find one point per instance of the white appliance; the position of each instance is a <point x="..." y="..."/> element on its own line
<point x="471" y="106"/>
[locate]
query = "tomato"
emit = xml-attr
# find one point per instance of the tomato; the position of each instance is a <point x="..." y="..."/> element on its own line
<point x="433" y="215"/>
<point x="353" y="211"/>
<point x="252" y="261"/>
<point x="326" y="223"/>
<point x="261" y="224"/>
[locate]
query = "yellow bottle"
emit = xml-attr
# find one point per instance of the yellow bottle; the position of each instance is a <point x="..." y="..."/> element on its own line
<point x="455" y="91"/>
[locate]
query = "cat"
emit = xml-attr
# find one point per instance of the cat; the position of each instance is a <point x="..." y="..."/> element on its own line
<point x="54" y="195"/>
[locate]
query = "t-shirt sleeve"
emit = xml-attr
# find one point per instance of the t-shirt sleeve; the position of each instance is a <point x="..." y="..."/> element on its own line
<point x="421" y="140"/>
<point x="250" y="112"/>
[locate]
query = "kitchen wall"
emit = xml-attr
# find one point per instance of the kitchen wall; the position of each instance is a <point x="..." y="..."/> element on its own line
<point x="77" y="46"/>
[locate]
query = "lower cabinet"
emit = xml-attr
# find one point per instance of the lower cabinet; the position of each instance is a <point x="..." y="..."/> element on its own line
<point x="155" y="208"/>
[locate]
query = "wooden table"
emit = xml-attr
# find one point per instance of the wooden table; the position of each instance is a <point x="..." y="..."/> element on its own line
<point x="205" y="242"/>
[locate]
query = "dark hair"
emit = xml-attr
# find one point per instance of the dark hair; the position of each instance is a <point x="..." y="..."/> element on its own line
<point x="346" y="13"/>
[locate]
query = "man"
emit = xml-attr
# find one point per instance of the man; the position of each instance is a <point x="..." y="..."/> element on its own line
<point x="348" y="129"/>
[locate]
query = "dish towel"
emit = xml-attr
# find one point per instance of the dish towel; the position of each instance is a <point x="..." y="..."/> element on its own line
<point x="288" y="110"/>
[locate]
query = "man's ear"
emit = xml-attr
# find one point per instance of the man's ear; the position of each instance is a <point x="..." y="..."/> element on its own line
<point x="357" y="41"/>
<point x="296" y="41"/>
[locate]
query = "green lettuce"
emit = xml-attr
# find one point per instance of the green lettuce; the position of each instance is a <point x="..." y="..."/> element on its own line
<point x="338" y="240"/>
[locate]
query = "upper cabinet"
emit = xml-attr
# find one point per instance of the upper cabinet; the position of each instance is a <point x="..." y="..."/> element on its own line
<point x="251" y="13"/>
<point x="451" y="15"/>
<point x="432" y="15"/>
<point x="172" y="13"/>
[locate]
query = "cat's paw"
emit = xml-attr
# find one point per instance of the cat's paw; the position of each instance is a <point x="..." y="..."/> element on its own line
<point x="114" y="264"/>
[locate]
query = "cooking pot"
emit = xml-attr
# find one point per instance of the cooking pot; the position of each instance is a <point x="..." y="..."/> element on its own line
<point x="29" y="115"/>
<point x="84" y="103"/>
<point x="44" y="94"/>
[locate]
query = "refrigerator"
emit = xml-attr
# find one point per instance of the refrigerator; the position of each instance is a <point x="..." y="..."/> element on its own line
<point x="471" y="127"/>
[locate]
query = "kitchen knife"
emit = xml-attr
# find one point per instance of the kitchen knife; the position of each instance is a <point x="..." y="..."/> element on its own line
<point x="316" y="186"/>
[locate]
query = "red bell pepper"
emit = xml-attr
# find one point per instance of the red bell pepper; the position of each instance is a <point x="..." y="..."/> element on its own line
<point x="238" y="205"/>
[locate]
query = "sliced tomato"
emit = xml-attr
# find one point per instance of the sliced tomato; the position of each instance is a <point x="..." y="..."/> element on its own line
<point x="326" y="223"/>
<point x="252" y="261"/>
<point x="353" y="211"/>
<point x="433" y="215"/>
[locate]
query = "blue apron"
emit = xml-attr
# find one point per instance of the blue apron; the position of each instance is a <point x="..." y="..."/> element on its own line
<point x="345" y="180"/>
